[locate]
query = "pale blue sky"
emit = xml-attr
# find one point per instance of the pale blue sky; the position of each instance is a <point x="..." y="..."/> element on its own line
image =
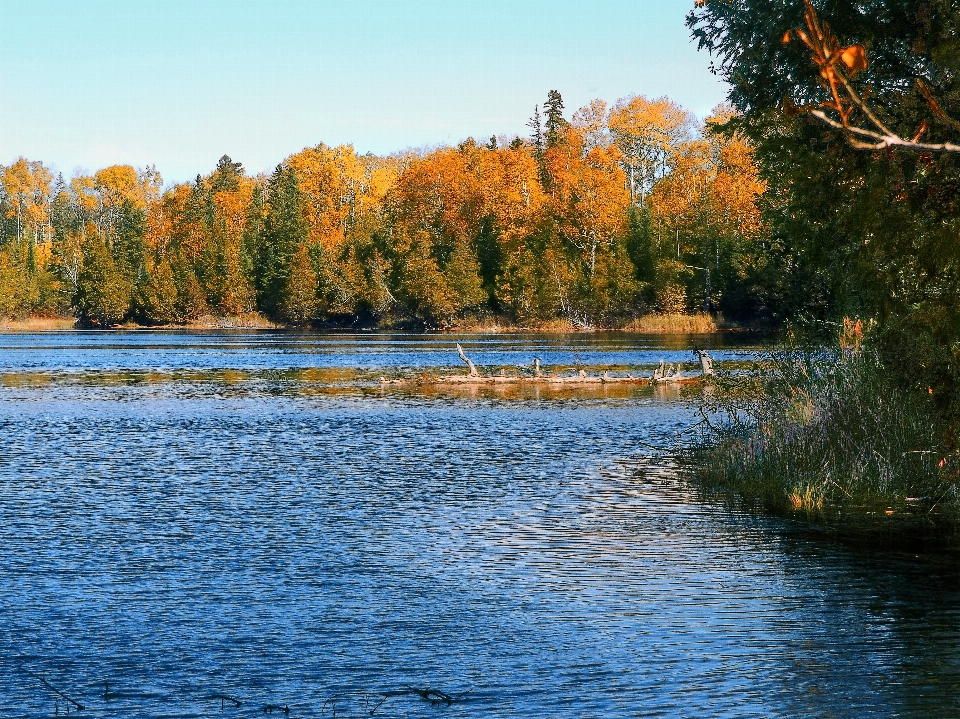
<point x="178" y="83"/>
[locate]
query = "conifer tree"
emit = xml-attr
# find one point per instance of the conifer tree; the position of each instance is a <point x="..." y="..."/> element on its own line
<point x="226" y="178"/>
<point x="155" y="300"/>
<point x="299" y="302"/>
<point x="103" y="294"/>
<point x="536" y="137"/>
<point x="554" y="124"/>
<point x="284" y="230"/>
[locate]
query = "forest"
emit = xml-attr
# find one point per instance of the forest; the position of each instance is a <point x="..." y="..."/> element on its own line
<point x="620" y="211"/>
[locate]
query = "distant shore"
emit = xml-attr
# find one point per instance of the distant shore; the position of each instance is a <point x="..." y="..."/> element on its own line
<point x="649" y="324"/>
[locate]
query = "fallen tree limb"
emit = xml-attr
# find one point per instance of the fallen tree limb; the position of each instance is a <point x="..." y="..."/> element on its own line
<point x="434" y="696"/>
<point x="470" y="364"/>
<point x="52" y="688"/>
<point x="224" y="698"/>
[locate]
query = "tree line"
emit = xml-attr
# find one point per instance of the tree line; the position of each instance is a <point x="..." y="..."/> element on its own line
<point x="617" y="212"/>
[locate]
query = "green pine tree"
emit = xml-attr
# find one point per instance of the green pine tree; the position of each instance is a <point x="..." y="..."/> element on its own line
<point x="284" y="229"/>
<point x="299" y="302"/>
<point x="103" y="292"/>
<point x="554" y="124"/>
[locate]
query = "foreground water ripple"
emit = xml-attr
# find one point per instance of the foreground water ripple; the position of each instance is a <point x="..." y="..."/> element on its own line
<point x="187" y="538"/>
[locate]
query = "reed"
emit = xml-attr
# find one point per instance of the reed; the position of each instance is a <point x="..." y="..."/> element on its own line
<point x="36" y="324"/>
<point x="673" y="324"/>
<point x="830" y="435"/>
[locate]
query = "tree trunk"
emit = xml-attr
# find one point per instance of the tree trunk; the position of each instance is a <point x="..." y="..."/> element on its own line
<point x="470" y="364"/>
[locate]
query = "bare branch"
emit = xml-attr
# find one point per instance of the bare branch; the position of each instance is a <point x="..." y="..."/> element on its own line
<point x="881" y="141"/>
<point x="836" y="65"/>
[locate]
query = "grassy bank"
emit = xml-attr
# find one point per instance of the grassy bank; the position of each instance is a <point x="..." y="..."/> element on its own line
<point x="674" y="324"/>
<point x="830" y="436"/>
<point x="36" y="324"/>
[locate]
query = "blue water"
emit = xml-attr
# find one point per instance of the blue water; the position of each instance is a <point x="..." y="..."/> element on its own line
<point x="281" y="538"/>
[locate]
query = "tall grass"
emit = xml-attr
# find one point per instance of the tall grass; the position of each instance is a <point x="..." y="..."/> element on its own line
<point x="36" y="324"/>
<point x="673" y="324"/>
<point x="828" y="433"/>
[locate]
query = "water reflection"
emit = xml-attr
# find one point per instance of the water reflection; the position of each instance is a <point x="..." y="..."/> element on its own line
<point x="289" y="534"/>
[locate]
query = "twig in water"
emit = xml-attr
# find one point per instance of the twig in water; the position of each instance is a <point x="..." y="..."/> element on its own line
<point x="434" y="696"/>
<point x="377" y="706"/>
<point x="56" y="691"/>
<point x="224" y="698"/>
<point x="269" y="708"/>
<point x="333" y="706"/>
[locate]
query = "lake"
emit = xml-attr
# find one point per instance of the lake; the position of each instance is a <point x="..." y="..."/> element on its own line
<point x="185" y="516"/>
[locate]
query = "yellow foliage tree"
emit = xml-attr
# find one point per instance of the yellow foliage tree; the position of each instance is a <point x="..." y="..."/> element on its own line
<point x="647" y="133"/>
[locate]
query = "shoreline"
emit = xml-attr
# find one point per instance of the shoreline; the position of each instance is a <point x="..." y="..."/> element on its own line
<point x="649" y="324"/>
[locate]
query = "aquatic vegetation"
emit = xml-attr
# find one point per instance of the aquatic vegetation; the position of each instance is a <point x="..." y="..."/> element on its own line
<point x="832" y="434"/>
<point x="674" y="323"/>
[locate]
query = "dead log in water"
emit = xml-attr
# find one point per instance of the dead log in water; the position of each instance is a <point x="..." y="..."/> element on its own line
<point x="224" y="698"/>
<point x="706" y="363"/>
<point x="57" y="692"/>
<point x="663" y="374"/>
<point x="434" y="696"/>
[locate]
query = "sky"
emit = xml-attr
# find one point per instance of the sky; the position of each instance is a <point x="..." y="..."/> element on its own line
<point x="177" y="83"/>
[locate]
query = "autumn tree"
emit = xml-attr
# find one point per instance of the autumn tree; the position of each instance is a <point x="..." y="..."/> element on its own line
<point x="26" y="195"/>
<point x="708" y="206"/>
<point x="591" y="121"/>
<point x="589" y="201"/>
<point x="647" y="132"/>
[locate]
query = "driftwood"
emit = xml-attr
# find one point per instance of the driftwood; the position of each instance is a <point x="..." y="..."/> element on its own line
<point x="669" y="374"/>
<point x="56" y="691"/>
<point x="224" y="698"/>
<point x="663" y="374"/>
<point x="470" y="364"/>
<point x="706" y="363"/>
<point x="434" y="696"/>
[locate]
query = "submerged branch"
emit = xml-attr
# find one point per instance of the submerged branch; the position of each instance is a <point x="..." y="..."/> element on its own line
<point x="52" y="688"/>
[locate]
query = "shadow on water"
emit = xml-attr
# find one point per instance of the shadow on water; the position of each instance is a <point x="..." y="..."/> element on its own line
<point x="890" y="616"/>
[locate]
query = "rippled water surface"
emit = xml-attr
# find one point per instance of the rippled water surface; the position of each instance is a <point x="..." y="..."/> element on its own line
<point x="252" y="515"/>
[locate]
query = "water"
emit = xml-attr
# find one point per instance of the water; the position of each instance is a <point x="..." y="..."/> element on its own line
<point x="251" y="515"/>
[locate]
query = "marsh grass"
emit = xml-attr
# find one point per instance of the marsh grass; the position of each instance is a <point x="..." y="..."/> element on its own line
<point x="36" y="324"/>
<point x="830" y="436"/>
<point x="673" y="324"/>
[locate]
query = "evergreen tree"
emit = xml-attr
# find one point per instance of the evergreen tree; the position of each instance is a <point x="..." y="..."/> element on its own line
<point x="299" y="302"/>
<point x="536" y="137"/>
<point x="284" y="230"/>
<point x="226" y="178"/>
<point x="103" y="294"/>
<point x="462" y="275"/>
<point x="155" y="300"/>
<point x="127" y="240"/>
<point x="490" y="258"/>
<point x="640" y="242"/>
<point x="191" y="297"/>
<point x="554" y="125"/>
<point x="868" y="233"/>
